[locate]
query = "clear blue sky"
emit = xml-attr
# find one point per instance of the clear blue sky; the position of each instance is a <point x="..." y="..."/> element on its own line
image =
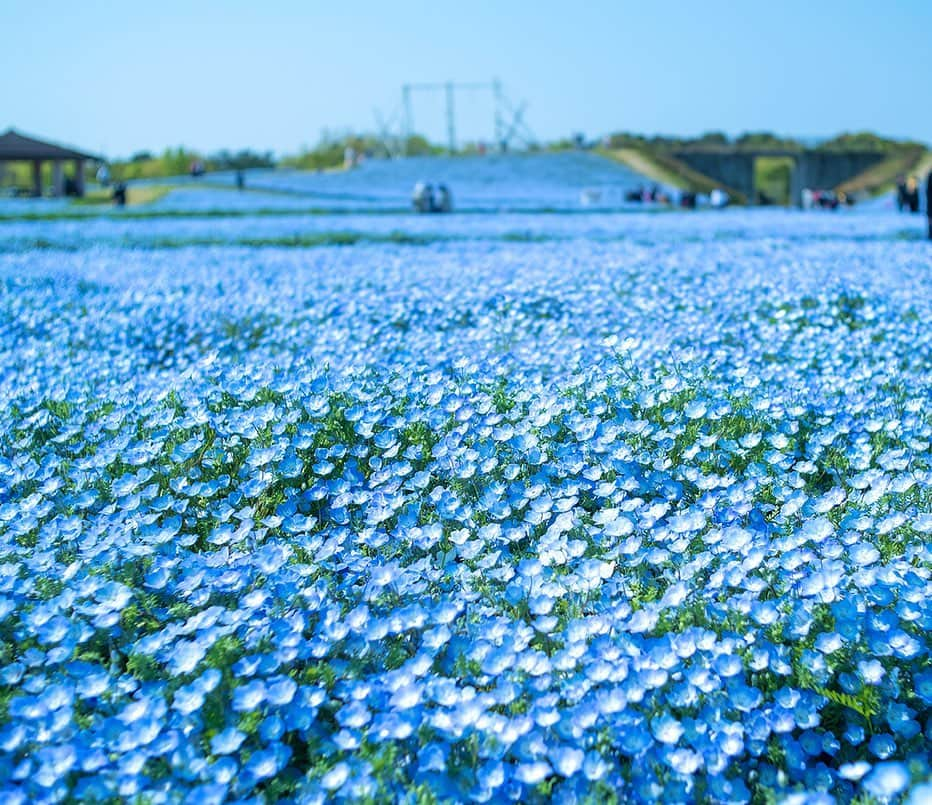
<point x="117" y="77"/>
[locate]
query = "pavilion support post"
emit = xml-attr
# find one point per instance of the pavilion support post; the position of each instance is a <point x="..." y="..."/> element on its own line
<point x="58" y="179"/>
<point x="79" y="177"/>
<point x="37" y="177"/>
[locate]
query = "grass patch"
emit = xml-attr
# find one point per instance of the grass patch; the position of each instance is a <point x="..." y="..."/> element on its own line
<point x="137" y="195"/>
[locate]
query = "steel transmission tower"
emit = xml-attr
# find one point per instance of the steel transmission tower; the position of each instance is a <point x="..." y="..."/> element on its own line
<point x="503" y="132"/>
<point x="499" y="123"/>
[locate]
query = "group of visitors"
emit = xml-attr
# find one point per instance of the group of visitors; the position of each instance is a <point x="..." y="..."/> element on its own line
<point x="685" y="199"/>
<point x="908" y="196"/>
<point x="824" y="199"/>
<point x="647" y="195"/>
<point x="425" y="199"/>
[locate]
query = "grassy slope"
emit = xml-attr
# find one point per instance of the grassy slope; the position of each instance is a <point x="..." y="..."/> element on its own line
<point x="667" y="170"/>
<point x="641" y="163"/>
<point x="881" y="178"/>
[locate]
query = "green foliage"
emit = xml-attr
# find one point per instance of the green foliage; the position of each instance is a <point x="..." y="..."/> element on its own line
<point x="419" y="434"/>
<point x="172" y="162"/>
<point x="776" y="754"/>
<point x="316" y="673"/>
<point x="48" y="588"/>
<point x="249" y="722"/>
<point x="866" y="141"/>
<point x="711" y="139"/>
<point x="223" y="654"/>
<point x="601" y="793"/>
<point x="240" y="160"/>
<point x="754" y="140"/>
<point x="866" y="703"/>
<point x="772" y="179"/>
<point x="144" y="667"/>
<point x="860" y="141"/>
<point x="330" y="152"/>
<point x="137" y="622"/>
<point x="501" y="397"/>
<point x="177" y="162"/>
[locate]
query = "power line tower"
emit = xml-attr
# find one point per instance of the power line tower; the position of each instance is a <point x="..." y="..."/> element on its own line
<point x="407" y="112"/>
<point x="499" y="100"/>
<point x="451" y="116"/>
<point x="507" y="124"/>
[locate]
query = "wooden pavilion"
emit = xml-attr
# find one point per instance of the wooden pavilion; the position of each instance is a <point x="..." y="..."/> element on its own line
<point x="16" y="147"/>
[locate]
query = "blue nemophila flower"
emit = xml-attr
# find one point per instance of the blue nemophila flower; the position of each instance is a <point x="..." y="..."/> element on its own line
<point x="666" y="729"/>
<point x="871" y="671"/>
<point x="567" y="760"/>
<point x="490" y="575"/>
<point x="227" y="741"/>
<point x="882" y="745"/>
<point x="250" y="696"/>
<point x="209" y="794"/>
<point x="886" y="780"/>
<point x="186" y="655"/>
<point x="921" y="793"/>
<point x="281" y="691"/>
<point x="267" y="762"/>
<point x="532" y="773"/>
<point x="336" y="777"/>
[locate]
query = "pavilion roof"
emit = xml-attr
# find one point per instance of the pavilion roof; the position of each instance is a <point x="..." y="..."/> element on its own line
<point x="16" y="146"/>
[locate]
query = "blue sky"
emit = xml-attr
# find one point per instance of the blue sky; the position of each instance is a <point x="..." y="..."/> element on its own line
<point x="117" y="77"/>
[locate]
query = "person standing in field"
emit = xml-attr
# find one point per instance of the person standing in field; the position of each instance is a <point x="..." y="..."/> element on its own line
<point x="912" y="194"/>
<point x="444" y="200"/>
<point x="423" y="197"/>
<point x="929" y="202"/>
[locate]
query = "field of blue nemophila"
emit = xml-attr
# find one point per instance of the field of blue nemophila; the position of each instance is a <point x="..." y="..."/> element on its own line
<point x="637" y="519"/>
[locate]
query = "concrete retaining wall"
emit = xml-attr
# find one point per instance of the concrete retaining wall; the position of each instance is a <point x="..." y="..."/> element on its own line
<point x="814" y="169"/>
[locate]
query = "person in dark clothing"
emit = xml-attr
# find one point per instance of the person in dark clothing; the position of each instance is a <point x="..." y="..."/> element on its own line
<point x="901" y="192"/>
<point x="240" y="180"/>
<point x="119" y="194"/>
<point x="912" y="194"/>
<point x="929" y="202"/>
<point x="443" y="201"/>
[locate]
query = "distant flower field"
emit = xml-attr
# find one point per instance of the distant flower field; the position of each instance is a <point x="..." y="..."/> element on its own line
<point x="633" y="518"/>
